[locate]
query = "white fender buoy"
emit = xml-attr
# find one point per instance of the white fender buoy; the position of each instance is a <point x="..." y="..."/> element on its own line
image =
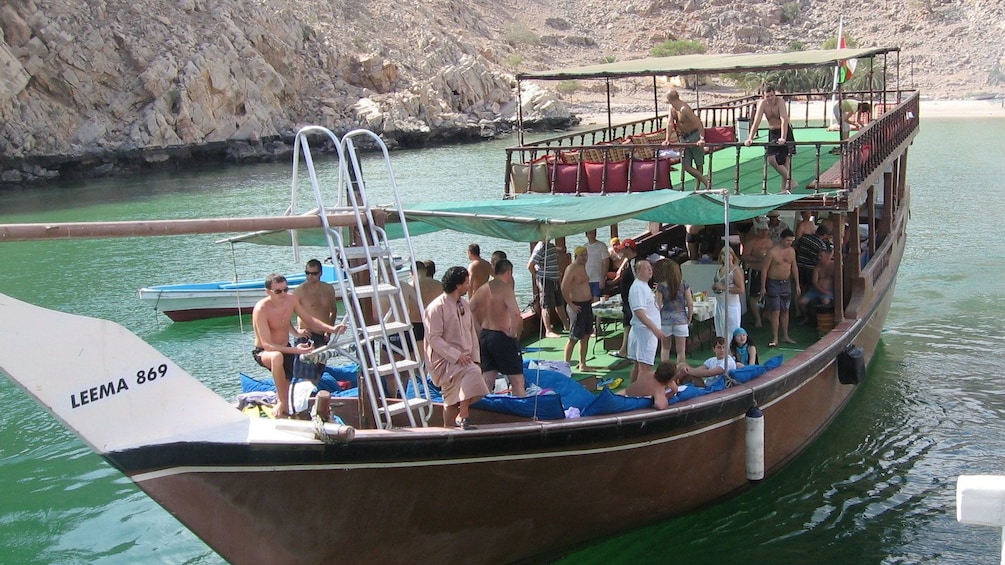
<point x="755" y="444"/>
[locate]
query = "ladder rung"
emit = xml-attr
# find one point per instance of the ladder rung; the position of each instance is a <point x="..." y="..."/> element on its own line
<point x="361" y="252"/>
<point x="382" y="289"/>
<point x="392" y="328"/>
<point x="403" y="365"/>
<point x="413" y="403"/>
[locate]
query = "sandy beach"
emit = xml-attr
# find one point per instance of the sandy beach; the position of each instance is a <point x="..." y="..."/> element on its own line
<point x="963" y="108"/>
<point x="592" y="115"/>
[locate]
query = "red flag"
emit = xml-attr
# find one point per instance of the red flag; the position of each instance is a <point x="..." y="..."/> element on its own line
<point x="847" y="66"/>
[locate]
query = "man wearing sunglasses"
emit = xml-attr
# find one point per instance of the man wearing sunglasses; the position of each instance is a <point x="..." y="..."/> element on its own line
<point x="272" y="319"/>
<point x="318" y="299"/>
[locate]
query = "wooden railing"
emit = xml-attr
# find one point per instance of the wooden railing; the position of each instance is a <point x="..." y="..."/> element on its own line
<point x="627" y="157"/>
<point x="865" y="153"/>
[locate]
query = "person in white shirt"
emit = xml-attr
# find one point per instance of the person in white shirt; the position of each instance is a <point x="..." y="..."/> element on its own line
<point x="597" y="259"/>
<point x="646" y="333"/>
<point x="718" y="365"/>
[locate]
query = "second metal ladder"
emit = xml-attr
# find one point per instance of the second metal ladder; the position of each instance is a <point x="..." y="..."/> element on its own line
<point x="386" y="347"/>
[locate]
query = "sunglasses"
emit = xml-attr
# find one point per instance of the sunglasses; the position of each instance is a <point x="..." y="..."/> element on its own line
<point x="279" y="290"/>
<point x="460" y="307"/>
<point x="312" y="273"/>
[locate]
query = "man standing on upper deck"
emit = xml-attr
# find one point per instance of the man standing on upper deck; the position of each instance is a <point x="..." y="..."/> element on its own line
<point x="689" y="130"/>
<point x="781" y="143"/>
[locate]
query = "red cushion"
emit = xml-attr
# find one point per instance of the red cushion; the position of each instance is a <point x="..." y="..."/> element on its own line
<point x="617" y="176"/>
<point x="566" y="178"/>
<point x="642" y="175"/>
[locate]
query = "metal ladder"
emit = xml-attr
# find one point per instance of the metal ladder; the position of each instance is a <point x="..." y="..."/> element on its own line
<point x="363" y="252"/>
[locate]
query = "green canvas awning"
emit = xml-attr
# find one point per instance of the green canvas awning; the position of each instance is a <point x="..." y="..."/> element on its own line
<point x="709" y="64"/>
<point x="538" y="217"/>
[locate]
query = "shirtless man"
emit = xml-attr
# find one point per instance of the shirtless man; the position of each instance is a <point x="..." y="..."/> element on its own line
<point x="318" y="299"/>
<point x="689" y="130"/>
<point x="497" y="256"/>
<point x="579" y="302"/>
<point x="755" y="251"/>
<point x="496" y="311"/>
<point x="272" y="320"/>
<point x="662" y="387"/>
<point x="431" y="269"/>
<point x="822" y="290"/>
<point x="479" y="269"/>
<point x="411" y="292"/>
<point x="429" y="288"/>
<point x="779" y="269"/>
<point x="805" y="224"/>
<point x="781" y="143"/>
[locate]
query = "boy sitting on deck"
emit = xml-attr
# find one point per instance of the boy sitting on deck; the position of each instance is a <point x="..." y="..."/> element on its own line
<point x="713" y="366"/>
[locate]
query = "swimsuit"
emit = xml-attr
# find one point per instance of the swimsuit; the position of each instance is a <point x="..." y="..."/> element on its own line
<point x="582" y="326"/>
<point x="500" y="352"/>
<point x="287" y="361"/>
<point x="695" y="154"/>
<point x="781" y="152"/>
<point x="778" y="293"/>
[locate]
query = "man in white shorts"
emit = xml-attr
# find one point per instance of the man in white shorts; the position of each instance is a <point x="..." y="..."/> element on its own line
<point x="646" y="334"/>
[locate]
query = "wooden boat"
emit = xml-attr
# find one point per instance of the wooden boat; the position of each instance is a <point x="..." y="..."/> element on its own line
<point x="398" y="488"/>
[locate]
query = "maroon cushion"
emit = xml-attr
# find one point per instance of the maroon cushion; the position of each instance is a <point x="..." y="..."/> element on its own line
<point x="566" y="177"/>
<point x="642" y="175"/>
<point x="617" y="176"/>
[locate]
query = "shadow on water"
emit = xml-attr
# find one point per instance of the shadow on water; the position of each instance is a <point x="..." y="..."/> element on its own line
<point x="829" y="498"/>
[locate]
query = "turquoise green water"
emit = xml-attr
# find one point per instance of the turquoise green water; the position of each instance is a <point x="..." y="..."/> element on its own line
<point x="879" y="486"/>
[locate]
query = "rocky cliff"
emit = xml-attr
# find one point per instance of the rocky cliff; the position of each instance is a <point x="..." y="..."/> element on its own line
<point x="116" y="83"/>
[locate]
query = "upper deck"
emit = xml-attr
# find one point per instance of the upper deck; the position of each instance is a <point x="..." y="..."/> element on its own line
<point x="830" y="173"/>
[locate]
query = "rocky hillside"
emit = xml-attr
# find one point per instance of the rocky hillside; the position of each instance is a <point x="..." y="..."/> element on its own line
<point x="99" y="85"/>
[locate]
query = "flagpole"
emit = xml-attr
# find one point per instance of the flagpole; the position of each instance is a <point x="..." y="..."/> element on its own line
<point x="837" y="69"/>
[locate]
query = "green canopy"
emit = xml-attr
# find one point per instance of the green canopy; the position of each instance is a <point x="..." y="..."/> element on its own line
<point x="709" y="64"/>
<point x="707" y="208"/>
<point x="532" y="217"/>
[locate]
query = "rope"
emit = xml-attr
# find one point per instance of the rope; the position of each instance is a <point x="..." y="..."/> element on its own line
<point x="233" y="260"/>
